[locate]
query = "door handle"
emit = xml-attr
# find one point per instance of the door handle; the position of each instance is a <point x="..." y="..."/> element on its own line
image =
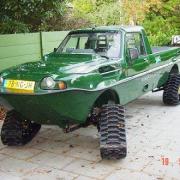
<point x="145" y="59"/>
<point x="145" y="88"/>
<point x="174" y="59"/>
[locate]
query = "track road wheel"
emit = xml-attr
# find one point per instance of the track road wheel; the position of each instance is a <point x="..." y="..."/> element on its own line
<point x="17" y="131"/>
<point x="171" y="95"/>
<point x="112" y="132"/>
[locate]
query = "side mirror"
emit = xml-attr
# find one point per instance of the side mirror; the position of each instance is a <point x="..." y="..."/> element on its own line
<point x="133" y="53"/>
<point x="55" y="49"/>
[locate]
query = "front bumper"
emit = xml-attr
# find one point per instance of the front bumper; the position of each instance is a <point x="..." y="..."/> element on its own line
<point x="54" y="107"/>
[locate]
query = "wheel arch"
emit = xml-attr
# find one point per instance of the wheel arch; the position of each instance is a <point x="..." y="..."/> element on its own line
<point x="105" y="96"/>
<point x="174" y="69"/>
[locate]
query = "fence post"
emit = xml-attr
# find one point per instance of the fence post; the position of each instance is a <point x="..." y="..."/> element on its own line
<point x="41" y="44"/>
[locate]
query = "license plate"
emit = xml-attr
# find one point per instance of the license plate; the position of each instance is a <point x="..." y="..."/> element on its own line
<point x="19" y="85"/>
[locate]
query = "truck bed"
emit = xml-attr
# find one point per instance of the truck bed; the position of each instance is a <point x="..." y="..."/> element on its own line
<point x="158" y="49"/>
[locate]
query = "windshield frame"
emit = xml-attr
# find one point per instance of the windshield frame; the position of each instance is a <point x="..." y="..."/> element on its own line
<point x="66" y="39"/>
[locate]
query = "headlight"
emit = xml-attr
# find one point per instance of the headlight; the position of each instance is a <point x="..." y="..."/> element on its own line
<point x="48" y="83"/>
<point x="1" y="80"/>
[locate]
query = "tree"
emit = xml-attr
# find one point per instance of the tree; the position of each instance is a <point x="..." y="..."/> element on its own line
<point x="163" y="23"/>
<point x="159" y="17"/>
<point x="135" y="10"/>
<point x="98" y="12"/>
<point x="29" y="16"/>
<point x="114" y="11"/>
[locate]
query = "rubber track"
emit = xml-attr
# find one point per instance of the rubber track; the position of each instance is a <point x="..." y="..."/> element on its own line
<point x="170" y="95"/>
<point x="16" y="131"/>
<point x="112" y="132"/>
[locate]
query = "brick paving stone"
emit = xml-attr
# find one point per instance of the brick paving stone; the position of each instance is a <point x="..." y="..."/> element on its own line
<point x="49" y="132"/>
<point x="20" y="152"/>
<point x="88" y="168"/>
<point x="156" y="168"/>
<point x="5" y="176"/>
<point x="85" y="153"/>
<point x="2" y="156"/>
<point x="84" y="141"/>
<point x="54" y="147"/>
<point x="124" y="174"/>
<point x="16" y="167"/>
<point x="46" y="173"/>
<point x="62" y="137"/>
<point x="36" y="141"/>
<point x="52" y="159"/>
<point x="89" y="131"/>
<point x="84" y="178"/>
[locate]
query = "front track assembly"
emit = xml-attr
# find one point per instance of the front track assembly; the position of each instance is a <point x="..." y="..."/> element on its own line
<point x="17" y="131"/>
<point x="112" y="132"/>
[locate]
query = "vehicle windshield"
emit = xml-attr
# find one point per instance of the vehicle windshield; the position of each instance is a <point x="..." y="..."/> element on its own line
<point x="105" y="44"/>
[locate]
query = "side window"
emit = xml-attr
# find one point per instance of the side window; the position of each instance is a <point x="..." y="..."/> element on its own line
<point x="135" y="40"/>
<point x="83" y="42"/>
<point x="71" y="45"/>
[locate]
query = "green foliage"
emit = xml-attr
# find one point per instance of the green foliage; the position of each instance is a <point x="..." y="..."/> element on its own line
<point x="161" y="18"/>
<point x="11" y="26"/>
<point x="159" y="31"/>
<point x="107" y="14"/>
<point x="24" y="15"/>
<point x="163" y="23"/>
<point x="82" y="7"/>
<point x="99" y="12"/>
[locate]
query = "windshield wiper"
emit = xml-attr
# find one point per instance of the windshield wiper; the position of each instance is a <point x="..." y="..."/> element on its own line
<point x="105" y="56"/>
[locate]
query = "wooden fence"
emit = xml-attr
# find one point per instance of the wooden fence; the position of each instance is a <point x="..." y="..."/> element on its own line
<point x="20" y="48"/>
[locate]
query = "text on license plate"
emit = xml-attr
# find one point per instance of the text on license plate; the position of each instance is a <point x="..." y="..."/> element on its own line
<point x="19" y="84"/>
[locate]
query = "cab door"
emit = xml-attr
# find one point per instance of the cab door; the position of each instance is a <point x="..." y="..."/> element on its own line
<point x="136" y="55"/>
<point x="137" y="64"/>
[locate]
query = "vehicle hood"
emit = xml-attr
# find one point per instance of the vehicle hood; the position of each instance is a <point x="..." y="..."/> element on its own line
<point x="57" y="64"/>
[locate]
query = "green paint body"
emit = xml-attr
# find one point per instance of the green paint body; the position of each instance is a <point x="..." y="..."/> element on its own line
<point x="90" y="79"/>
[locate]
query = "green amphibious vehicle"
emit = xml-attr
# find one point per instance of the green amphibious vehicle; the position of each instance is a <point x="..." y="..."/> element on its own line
<point x="87" y="80"/>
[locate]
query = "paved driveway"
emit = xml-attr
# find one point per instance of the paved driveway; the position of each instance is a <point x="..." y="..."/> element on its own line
<point x="153" y="134"/>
